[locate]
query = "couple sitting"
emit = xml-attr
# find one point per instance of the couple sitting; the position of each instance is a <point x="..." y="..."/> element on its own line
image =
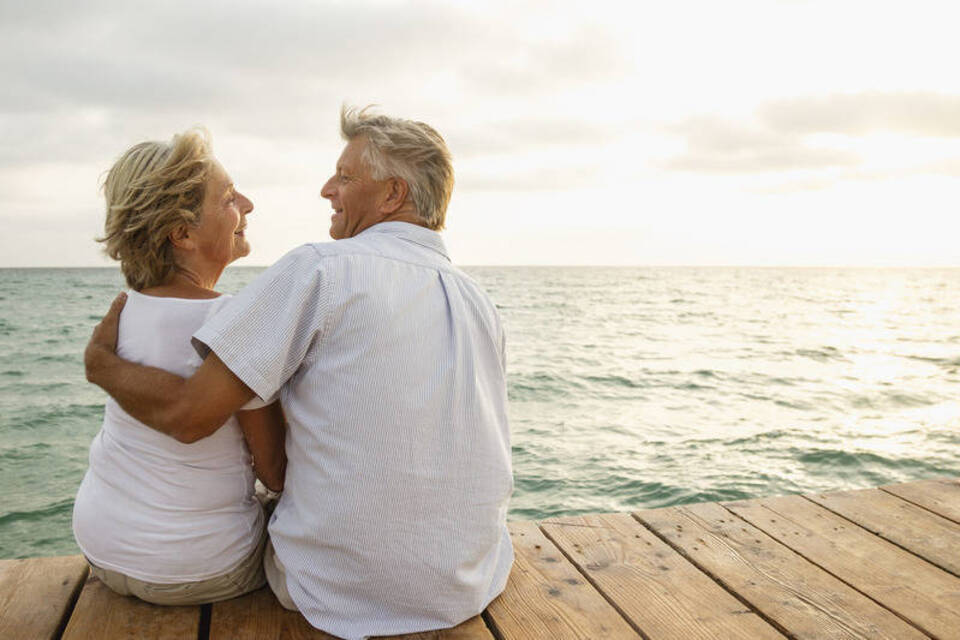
<point x="392" y="446"/>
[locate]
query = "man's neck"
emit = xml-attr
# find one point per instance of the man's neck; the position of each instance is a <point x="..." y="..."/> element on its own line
<point x="404" y="216"/>
<point x="398" y="216"/>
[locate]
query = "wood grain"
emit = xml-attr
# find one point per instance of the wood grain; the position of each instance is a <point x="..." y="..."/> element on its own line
<point x="36" y="595"/>
<point x="546" y="597"/>
<point x="799" y="597"/>
<point x="926" y="534"/>
<point x="916" y="590"/>
<point x="472" y="629"/>
<point x="258" y="615"/>
<point x="662" y="594"/>
<point x="100" y="613"/>
<point x="942" y="496"/>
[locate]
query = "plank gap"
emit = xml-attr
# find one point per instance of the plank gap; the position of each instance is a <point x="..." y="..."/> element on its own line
<point x="717" y="580"/>
<point x="491" y="625"/>
<point x="71" y="604"/>
<point x="593" y="583"/>
<point x="921" y="506"/>
<point x="203" y="629"/>
<point x="824" y="568"/>
<point x="883" y="537"/>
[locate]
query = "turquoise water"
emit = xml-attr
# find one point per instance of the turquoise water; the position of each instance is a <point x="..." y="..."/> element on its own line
<point x="629" y="387"/>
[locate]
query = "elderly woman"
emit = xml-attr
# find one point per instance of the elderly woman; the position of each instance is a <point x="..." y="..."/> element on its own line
<point x="166" y="521"/>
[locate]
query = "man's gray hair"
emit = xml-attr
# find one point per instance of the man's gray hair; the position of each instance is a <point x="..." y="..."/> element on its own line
<point x="412" y="151"/>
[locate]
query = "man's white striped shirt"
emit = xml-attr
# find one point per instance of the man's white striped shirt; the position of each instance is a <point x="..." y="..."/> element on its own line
<point x="390" y="365"/>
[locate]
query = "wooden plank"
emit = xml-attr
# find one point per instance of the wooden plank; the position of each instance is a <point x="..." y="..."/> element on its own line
<point x="258" y="615"/>
<point x="661" y="593"/>
<point x="942" y="496"/>
<point x="917" y="591"/>
<point x="926" y="534"/>
<point x="36" y="595"/>
<point x="799" y="597"/>
<point x="546" y="597"/>
<point x="472" y="629"/>
<point x="101" y="613"/>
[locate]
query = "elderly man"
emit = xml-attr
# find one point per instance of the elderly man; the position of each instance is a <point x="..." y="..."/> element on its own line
<point x="389" y="362"/>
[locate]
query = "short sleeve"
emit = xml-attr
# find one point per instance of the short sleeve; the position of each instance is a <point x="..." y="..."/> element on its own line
<point x="263" y="333"/>
<point x="258" y="403"/>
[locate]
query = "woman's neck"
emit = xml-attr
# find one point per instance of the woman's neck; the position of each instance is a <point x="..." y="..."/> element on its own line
<point x="184" y="283"/>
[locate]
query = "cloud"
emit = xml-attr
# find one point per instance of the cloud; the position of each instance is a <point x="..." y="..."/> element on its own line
<point x="949" y="167"/>
<point x="512" y="66"/>
<point x="542" y="179"/>
<point x="81" y="80"/>
<point x="517" y="135"/>
<point x="777" y="137"/>
<point x="795" y="186"/>
<point x="919" y="113"/>
<point x="190" y="54"/>
<point x="715" y="145"/>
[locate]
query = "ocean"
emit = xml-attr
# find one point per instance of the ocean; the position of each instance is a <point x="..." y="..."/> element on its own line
<point x="630" y="387"/>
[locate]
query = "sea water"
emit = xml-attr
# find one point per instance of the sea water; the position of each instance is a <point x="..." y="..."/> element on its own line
<point x="629" y="387"/>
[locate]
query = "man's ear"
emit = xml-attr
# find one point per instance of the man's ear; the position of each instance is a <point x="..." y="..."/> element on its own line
<point x="181" y="238"/>
<point x="397" y="191"/>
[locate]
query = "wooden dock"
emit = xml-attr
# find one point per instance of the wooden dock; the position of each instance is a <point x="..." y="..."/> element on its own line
<point x="876" y="564"/>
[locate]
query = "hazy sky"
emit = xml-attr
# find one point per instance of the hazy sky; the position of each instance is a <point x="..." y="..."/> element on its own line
<point x="674" y="132"/>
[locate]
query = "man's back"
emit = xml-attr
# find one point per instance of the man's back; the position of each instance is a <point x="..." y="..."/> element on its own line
<point x="393" y="516"/>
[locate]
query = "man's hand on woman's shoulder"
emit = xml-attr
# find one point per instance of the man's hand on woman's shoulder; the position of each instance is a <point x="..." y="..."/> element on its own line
<point x="103" y="342"/>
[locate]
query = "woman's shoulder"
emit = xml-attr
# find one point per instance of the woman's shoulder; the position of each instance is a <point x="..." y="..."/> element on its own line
<point x="178" y="293"/>
<point x="148" y="312"/>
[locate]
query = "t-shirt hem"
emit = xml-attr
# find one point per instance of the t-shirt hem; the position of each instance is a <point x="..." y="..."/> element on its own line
<point x="180" y="579"/>
<point x="155" y="579"/>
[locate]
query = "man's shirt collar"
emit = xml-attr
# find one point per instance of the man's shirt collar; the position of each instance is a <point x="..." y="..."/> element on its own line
<point x="411" y="233"/>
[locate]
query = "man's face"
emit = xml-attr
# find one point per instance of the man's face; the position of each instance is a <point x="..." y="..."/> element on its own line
<point x="354" y="195"/>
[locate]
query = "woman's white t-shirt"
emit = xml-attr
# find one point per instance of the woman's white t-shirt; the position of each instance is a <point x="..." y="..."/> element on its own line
<point x="151" y="507"/>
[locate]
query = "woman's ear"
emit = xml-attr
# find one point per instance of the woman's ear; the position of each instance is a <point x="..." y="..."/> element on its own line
<point x="180" y="237"/>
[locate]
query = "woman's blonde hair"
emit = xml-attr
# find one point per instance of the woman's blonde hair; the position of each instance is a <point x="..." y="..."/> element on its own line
<point x="151" y="190"/>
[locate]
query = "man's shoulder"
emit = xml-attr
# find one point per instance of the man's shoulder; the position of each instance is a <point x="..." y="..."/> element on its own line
<point x="356" y="246"/>
<point x="315" y="254"/>
<point x="379" y="250"/>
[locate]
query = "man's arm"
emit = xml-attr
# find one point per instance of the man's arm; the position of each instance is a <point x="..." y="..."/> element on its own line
<point x="187" y="410"/>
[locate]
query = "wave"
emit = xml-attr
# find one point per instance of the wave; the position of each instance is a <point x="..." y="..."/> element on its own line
<point x="946" y="363"/>
<point x="57" y="508"/>
<point x="613" y="381"/>
<point x="823" y="354"/>
<point x="32" y="418"/>
<point x="870" y="464"/>
<point x="543" y="386"/>
<point x="62" y="358"/>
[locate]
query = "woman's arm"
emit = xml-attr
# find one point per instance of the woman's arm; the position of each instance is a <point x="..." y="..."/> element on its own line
<point x="265" y="431"/>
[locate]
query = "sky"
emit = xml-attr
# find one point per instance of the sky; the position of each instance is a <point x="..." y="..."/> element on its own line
<point x="689" y="132"/>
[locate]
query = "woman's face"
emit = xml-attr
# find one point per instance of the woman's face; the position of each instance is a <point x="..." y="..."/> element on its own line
<point x="220" y="236"/>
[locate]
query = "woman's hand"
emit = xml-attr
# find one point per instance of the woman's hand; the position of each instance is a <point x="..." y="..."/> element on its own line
<point x="265" y="431"/>
<point x="103" y="342"/>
